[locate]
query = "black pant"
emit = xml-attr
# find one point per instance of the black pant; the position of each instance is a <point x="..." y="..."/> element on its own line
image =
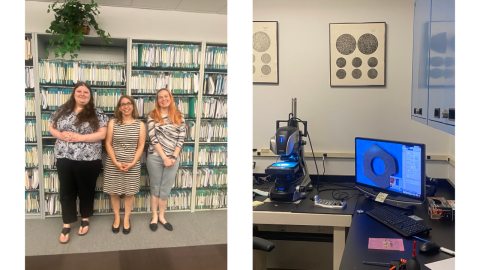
<point x="77" y="177"/>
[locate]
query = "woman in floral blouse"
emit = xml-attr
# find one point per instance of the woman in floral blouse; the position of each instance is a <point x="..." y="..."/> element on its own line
<point x="79" y="128"/>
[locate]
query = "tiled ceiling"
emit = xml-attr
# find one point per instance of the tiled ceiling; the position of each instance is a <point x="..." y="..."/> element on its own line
<point x="198" y="6"/>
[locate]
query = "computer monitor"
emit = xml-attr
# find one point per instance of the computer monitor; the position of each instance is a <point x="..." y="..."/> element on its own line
<point x="395" y="168"/>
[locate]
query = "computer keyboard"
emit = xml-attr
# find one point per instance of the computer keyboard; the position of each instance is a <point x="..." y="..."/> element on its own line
<point x="397" y="221"/>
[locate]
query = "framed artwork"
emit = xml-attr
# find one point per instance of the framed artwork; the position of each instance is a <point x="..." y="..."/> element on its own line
<point x="357" y="54"/>
<point x="265" y="52"/>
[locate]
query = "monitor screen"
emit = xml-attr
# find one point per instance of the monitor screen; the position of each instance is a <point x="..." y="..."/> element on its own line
<point x="395" y="167"/>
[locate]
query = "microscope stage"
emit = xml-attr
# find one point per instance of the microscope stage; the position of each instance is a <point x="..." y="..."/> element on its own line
<point x="282" y="168"/>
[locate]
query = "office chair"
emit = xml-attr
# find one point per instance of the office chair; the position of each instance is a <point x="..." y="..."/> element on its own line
<point x="260" y="249"/>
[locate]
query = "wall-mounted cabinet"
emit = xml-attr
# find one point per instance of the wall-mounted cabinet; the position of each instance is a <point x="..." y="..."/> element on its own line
<point x="433" y="64"/>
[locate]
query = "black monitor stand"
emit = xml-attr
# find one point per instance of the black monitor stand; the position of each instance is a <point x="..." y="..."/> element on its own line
<point x="392" y="199"/>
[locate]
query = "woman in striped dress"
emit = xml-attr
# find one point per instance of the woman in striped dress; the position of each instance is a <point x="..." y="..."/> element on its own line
<point x="166" y="129"/>
<point x="124" y="143"/>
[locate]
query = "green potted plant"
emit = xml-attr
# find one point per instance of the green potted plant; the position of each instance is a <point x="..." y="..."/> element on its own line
<point x="72" y="21"/>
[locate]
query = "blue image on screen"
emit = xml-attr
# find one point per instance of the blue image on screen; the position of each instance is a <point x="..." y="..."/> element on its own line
<point x="394" y="149"/>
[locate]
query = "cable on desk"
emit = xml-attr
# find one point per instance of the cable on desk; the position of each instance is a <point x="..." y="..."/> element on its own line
<point x="311" y="147"/>
<point x="352" y="187"/>
<point x="340" y="195"/>
<point x="261" y="180"/>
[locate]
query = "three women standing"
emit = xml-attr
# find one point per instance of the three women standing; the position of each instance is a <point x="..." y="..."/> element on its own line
<point x="79" y="128"/>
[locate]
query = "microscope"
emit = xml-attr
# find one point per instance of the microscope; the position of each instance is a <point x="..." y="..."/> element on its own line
<point x="291" y="174"/>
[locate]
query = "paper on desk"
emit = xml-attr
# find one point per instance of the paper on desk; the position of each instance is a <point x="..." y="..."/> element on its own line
<point x="386" y="244"/>
<point x="448" y="264"/>
<point x="381" y="197"/>
<point x="257" y="203"/>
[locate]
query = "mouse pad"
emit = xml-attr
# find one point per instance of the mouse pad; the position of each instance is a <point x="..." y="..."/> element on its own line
<point x="386" y="244"/>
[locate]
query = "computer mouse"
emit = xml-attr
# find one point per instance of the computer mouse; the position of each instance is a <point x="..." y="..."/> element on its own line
<point x="429" y="247"/>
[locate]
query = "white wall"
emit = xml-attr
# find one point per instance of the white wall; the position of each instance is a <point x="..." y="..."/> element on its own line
<point x="141" y="23"/>
<point x="337" y="115"/>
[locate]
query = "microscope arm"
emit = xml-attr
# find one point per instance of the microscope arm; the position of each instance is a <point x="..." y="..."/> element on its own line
<point x="306" y="181"/>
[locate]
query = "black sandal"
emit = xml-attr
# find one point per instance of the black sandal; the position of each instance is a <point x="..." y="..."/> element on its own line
<point x="115" y="230"/>
<point x="153" y="226"/>
<point x="126" y="231"/>
<point x="84" y="224"/>
<point x="65" y="231"/>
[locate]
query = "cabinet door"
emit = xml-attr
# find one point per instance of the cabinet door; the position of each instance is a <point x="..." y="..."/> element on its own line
<point x="441" y="112"/>
<point x="420" y="60"/>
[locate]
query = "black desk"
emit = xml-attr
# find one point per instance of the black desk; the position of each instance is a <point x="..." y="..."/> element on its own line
<point x="306" y="205"/>
<point x="364" y="227"/>
<point x="305" y="213"/>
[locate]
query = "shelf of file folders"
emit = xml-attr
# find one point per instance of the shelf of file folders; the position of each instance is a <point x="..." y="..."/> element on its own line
<point x="32" y="198"/>
<point x="216" y="58"/>
<point x="213" y="131"/>
<point x="104" y="99"/>
<point x="69" y="72"/>
<point x="52" y="98"/>
<point x="30" y="131"/>
<point x="178" y="82"/>
<point x="215" y="84"/>
<point x="28" y="50"/>
<point x="29" y="79"/>
<point x="30" y="122"/>
<point x="211" y="181"/>
<point x="164" y="55"/>
<point x="214" y="108"/>
<point x="31" y="180"/>
<point x="186" y="105"/>
<point x="180" y="196"/>
<point x="29" y="105"/>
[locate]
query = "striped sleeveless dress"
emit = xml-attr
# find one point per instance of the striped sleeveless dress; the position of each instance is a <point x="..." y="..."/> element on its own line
<point x="124" y="144"/>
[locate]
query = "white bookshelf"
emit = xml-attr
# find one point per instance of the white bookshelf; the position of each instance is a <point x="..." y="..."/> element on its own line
<point x="32" y="92"/>
<point x="118" y="52"/>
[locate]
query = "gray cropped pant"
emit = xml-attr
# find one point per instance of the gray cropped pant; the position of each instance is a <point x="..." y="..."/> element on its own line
<point x="161" y="177"/>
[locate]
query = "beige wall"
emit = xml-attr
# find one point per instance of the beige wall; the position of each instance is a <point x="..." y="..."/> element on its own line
<point x="451" y="169"/>
<point x="141" y="23"/>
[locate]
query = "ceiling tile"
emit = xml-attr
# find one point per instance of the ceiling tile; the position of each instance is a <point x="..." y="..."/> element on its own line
<point x="113" y="3"/>
<point x="204" y="6"/>
<point x="155" y="4"/>
<point x="223" y="11"/>
<point x="213" y="6"/>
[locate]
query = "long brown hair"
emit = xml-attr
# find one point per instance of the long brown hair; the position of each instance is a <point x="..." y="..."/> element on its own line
<point x="118" y="114"/>
<point x="88" y="113"/>
<point x="173" y="114"/>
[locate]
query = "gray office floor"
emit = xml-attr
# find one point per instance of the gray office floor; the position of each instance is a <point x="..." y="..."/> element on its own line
<point x="190" y="229"/>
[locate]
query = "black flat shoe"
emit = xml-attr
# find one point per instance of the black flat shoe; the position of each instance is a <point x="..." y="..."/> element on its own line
<point x="167" y="226"/>
<point x="115" y="230"/>
<point x="66" y="231"/>
<point x="127" y="231"/>
<point x="153" y="226"/>
<point x="84" y="224"/>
